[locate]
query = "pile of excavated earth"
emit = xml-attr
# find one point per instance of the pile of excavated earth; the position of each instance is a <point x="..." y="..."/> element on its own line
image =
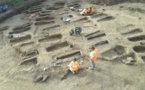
<point x="35" y="47"/>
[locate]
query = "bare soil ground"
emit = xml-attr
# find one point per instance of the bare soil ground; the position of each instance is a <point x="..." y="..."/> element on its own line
<point x="117" y="32"/>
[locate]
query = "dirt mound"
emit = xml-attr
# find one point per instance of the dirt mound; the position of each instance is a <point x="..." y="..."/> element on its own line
<point x="113" y="2"/>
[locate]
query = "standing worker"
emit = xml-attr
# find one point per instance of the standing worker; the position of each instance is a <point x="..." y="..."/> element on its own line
<point x="73" y="67"/>
<point x="91" y="11"/>
<point x="93" y="56"/>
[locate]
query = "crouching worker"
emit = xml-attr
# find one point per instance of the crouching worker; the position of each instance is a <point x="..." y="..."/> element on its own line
<point x="85" y="11"/>
<point x="73" y="67"/>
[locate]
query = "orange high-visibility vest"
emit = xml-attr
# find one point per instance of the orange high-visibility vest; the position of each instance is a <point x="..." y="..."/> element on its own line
<point x="74" y="65"/>
<point x="92" y="10"/>
<point x="93" y="55"/>
<point x="85" y="11"/>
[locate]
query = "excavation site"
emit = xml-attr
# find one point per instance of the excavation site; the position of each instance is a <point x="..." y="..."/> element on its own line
<point x="72" y="44"/>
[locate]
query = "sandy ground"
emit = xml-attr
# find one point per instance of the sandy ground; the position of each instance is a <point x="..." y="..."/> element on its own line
<point x="110" y="74"/>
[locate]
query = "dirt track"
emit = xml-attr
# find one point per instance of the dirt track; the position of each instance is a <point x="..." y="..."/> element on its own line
<point x="116" y="39"/>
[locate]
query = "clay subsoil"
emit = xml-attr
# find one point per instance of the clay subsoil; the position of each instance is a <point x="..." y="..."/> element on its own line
<point x="116" y="31"/>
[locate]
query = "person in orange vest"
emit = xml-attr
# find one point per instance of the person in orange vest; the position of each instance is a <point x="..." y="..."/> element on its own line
<point x="93" y="56"/>
<point x="85" y="11"/>
<point x="73" y="67"/>
<point x="91" y="11"/>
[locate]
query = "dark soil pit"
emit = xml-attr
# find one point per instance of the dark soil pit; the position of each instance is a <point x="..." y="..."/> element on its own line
<point x="20" y="30"/>
<point x="72" y="54"/>
<point x="54" y="8"/>
<point x="98" y="15"/>
<point x="27" y="44"/>
<point x="108" y="18"/>
<point x="57" y="46"/>
<point x="73" y="4"/>
<point x="51" y="27"/>
<point x="114" y="52"/>
<point x="22" y="26"/>
<point x="87" y="21"/>
<point x="44" y="14"/>
<point x="46" y="11"/>
<point x="125" y="27"/>
<point x="20" y="39"/>
<point x="4" y="28"/>
<point x="137" y="38"/>
<point x="30" y="53"/>
<point x="44" y="22"/>
<point x="51" y="38"/>
<point x="59" y="3"/>
<point x="96" y="36"/>
<point x="44" y="18"/>
<point x="66" y="12"/>
<point x="29" y="61"/>
<point x="101" y="43"/>
<point x="90" y="34"/>
<point x="134" y="31"/>
<point x="139" y="49"/>
<point x="81" y="19"/>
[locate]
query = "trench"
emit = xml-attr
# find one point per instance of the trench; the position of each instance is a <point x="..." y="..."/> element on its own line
<point x="20" y="39"/>
<point x="20" y="31"/>
<point x="51" y="38"/>
<point x="27" y="44"/>
<point x="125" y="27"/>
<point x="108" y="18"/>
<point x="81" y="19"/>
<point x="98" y="15"/>
<point x="41" y="18"/>
<point x="69" y="55"/>
<point x="96" y="36"/>
<point x="44" y="14"/>
<point x="44" y="22"/>
<point x="59" y="3"/>
<point x="51" y="27"/>
<point x="134" y="31"/>
<point x="29" y="61"/>
<point x="54" y="8"/>
<point x="139" y="49"/>
<point x="21" y="26"/>
<point x="57" y="46"/>
<point x="30" y="53"/>
<point x="90" y="34"/>
<point x="137" y="38"/>
<point x="101" y="43"/>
